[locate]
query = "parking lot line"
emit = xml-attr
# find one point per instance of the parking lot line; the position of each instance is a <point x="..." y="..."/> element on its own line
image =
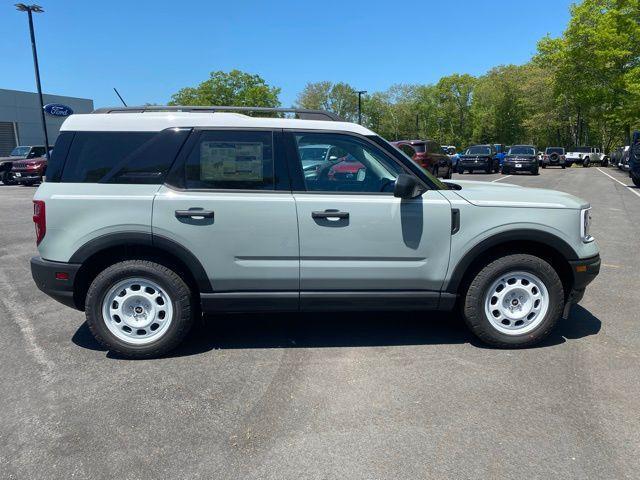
<point x="501" y="178"/>
<point x="621" y="183"/>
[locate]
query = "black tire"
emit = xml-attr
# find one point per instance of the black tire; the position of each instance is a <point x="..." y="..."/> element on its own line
<point x="449" y="173"/>
<point x="504" y="171"/>
<point x="7" y="178"/>
<point x="535" y="171"/>
<point x="177" y="290"/>
<point x="636" y="180"/>
<point x="488" y="168"/>
<point x="473" y="308"/>
<point x="460" y="170"/>
<point x="563" y="166"/>
<point x="586" y="162"/>
<point x="543" y="165"/>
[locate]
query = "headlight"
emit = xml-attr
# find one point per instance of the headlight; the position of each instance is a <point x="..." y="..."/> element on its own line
<point x="585" y="225"/>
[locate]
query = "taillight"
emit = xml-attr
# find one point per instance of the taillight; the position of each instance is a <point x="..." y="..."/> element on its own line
<point x="40" y="220"/>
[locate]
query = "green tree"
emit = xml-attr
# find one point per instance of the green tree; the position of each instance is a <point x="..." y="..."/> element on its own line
<point x="235" y="88"/>
<point x="339" y="98"/>
<point x="595" y="64"/>
<point x="454" y="97"/>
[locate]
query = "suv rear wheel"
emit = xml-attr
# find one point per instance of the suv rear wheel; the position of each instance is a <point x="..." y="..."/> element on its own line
<point x="139" y="308"/>
<point x="514" y="301"/>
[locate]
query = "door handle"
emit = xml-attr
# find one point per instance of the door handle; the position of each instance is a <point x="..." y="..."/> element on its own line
<point x="195" y="213"/>
<point x="330" y="214"/>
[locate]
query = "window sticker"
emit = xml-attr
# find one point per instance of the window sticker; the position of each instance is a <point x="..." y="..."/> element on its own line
<point x="231" y="161"/>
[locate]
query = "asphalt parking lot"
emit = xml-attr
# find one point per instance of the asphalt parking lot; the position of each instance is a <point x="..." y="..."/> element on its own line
<point x="401" y="395"/>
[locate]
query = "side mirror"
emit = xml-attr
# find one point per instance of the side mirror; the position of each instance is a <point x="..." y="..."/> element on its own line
<point x="406" y="187"/>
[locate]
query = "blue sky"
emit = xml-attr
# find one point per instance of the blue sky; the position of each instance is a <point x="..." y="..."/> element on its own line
<point x="149" y="50"/>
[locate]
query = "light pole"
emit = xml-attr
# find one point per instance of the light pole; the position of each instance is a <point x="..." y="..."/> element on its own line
<point x="30" y="9"/>
<point x="360" y="93"/>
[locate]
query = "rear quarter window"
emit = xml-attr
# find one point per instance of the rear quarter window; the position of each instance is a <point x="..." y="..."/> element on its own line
<point x="121" y="157"/>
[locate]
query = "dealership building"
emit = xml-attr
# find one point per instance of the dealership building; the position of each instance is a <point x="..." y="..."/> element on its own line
<point x="21" y="122"/>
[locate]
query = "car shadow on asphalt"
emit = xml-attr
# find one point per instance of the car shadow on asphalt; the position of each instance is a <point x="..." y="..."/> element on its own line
<point x="344" y="329"/>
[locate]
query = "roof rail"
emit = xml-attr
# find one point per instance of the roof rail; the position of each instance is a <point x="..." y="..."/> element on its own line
<point x="301" y="113"/>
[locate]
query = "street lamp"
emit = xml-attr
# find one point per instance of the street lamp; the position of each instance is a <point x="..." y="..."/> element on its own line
<point x="360" y="93"/>
<point x="30" y="9"/>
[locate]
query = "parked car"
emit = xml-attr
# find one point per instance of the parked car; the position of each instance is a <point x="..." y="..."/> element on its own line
<point x="427" y="154"/>
<point x="479" y="157"/>
<point x="329" y="161"/>
<point x="623" y="158"/>
<point x="634" y="159"/>
<point x="585" y="156"/>
<point x="146" y="222"/>
<point x="521" y="158"/>
<point x="27" y="152"/>
<point x="501" y="152"/>
<point x="554" y="157"/>
<point x="29" y="172"/>
<point x="450" y="150"/>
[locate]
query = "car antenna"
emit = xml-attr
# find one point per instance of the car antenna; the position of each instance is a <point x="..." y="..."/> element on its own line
<point x="119" y="96"/>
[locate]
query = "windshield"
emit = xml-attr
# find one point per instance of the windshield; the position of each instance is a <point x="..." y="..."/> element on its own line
<point x="419" y="147"/>
<point x="582" y="149"/>
<point x="318" y="153"/>
<point x="20" y="152"/>
<point x="551" y="150"/>
<point x="478" y="150"/>
<point x="522" y="151"/>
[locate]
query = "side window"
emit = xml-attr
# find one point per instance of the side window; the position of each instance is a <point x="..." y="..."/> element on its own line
<point x="36" y="152"/>
<point x="120" y="157"/>
<point x="408" y="150"/>
<point x="434" y="148"/>
<point x="229" y="159"/>
<point x="353" y="166"/>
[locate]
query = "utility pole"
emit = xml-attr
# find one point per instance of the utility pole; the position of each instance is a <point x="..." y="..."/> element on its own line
<point x="30" y="9"/>
<point x="360" y="93"/>
<point x="417" y="126"/>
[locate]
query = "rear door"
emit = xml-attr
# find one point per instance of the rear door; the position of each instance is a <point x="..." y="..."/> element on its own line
<point x="358" y="243"/>
<point x="228" y="202"/>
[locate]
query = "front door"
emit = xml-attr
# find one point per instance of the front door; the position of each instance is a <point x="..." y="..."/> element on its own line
<point x="355" y="236"/>
<point x="228" y="208"/>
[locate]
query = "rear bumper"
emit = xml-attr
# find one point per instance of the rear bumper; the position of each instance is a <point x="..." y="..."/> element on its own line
<point x="44" y="274"/>
<point x="584" y="271"/>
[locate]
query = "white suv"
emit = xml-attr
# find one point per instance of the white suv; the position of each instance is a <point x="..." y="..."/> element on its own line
<point x="149" y="218"/>
<point x="585" y="156"/>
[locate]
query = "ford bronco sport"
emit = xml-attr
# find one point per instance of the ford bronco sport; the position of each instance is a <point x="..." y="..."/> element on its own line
<point x="154" y="216"/>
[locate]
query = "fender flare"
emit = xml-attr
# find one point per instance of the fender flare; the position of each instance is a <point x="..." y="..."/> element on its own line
<point x="540" y="237"/>
<point x="124" y="239"/>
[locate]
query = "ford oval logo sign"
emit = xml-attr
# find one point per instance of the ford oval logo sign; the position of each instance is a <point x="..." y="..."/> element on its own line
<point x="58" y="110"/>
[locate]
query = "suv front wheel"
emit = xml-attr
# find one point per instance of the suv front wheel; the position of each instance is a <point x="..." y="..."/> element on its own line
<point x="139" y="308"/>
<point x="514" y="301"/>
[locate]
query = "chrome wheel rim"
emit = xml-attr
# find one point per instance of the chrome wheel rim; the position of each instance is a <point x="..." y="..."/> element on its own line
<point x="137" y="311"/>
<point x="516" y="303"/>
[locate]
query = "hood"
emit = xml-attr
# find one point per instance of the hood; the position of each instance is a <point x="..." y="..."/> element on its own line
<point x="12" y="159"/>
<point x="492" y="194"/>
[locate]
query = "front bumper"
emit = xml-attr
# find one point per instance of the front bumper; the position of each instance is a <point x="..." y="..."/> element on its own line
<point x="524" y="166"/>
<point x="472" y="164"/>
<point x="22" y="176"/>
<point x="49" y="275"/>
<point x="584" y="271"/>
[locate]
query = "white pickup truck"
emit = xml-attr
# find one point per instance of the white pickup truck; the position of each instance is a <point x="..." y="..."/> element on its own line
<point x="586" y="156"/>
